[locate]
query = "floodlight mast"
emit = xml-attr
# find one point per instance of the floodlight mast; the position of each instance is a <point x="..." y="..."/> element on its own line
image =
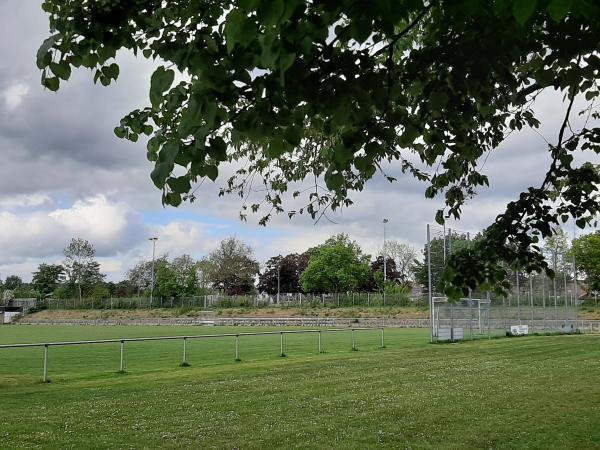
<point x="153" y="239"/>
<point x="278" y="279"/>
<point x="384" y="259"/>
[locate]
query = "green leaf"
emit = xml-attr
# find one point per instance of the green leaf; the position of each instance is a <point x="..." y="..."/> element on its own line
<point x="544" y="77"/>
<point x="233" y="24"/>
<point x="61" y="70"/>
<point x="51" y="83"/>
<point x="273" y="13"/>
<point x="111" y="71"/>
<point x="172" y="198"/>
<point x="523" y="10"/>
<point x="361" y="163"/>
<point x="293" y="135"/>
<point x="179" y="184"/>
<point x="438" y="100"/>
<point x="169" y="151"/>
<point x="286" y="60"/>
<point x="439" y="216"/>
<point x="192" y="117"/>
<point x="211" y="172"/>
<point x="558" y="9"/>
<point x="334" y="181"/>
<point x="160" y="173"/>
<point x="276" y="149"/>
<point x="119" y="132"/>
<point x="218" y="149"/>
<point x="44" y="48"/>
<point x="89" y="60"/>
<point x="342" y="154"/>
<point x="161" y="81"/>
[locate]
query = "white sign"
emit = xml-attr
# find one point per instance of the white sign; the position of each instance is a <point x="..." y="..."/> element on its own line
<point x="519" y="330"/>
<point x="10" y="315"/>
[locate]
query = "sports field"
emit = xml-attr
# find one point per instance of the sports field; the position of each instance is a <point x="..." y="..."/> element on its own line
<point x="530" y="392"/>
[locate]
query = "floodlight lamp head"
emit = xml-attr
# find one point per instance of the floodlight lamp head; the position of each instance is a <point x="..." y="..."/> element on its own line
<point x="385" y="221"/>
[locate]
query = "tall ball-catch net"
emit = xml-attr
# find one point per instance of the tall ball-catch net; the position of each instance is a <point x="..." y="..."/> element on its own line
<point x="536" y="302"/>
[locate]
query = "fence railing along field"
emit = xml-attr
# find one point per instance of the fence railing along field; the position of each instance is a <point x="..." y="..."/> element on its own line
<point x="184" y="339"/>
<point x="215" y="301"/>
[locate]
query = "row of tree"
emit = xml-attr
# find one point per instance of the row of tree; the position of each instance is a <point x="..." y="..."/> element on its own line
<point x="78" y="276"/>
<point x="337" y="265"/>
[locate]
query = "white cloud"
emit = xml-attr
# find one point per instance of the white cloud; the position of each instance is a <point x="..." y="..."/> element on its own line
<point x="111" y="227"/>
<point x="13" y="95"/>
<point x="181" y="237"/>
<point x="95" y="219"/>
<point x="25" y="200"/>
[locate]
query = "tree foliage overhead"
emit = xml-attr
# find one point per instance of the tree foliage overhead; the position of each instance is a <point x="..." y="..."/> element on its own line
<point x="296" y="90"/>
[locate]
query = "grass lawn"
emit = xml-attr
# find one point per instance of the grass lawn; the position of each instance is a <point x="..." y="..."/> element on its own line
<point x="530" y="392"/>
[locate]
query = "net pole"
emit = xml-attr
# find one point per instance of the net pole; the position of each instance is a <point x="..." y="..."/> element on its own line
<point x="429" y="281"/>
<point x="566" y="306"/>
<point x="518" y="298"/>
<point x="554" y="290"/>
<point x="531" y="297"/>
<point x="544" y="299"/>
<point x="470" y="294"/>
<point x="575" y="285"/>
<point x="489" y="310"/>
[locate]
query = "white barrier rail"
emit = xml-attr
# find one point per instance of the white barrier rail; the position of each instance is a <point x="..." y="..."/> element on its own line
<point x="185" y="338"/>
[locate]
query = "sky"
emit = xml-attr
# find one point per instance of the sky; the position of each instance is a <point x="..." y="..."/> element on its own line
<point x="64" y="174"/>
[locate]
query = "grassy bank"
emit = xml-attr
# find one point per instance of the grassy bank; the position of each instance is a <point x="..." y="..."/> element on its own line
<point x="391" y="311"/>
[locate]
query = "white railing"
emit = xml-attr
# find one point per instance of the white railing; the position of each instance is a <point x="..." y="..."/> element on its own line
<point x="47" y="345"/>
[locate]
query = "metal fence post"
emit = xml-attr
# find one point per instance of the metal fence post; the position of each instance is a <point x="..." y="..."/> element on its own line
<point x="470" y="320"/>
<point x="281" y="344"/>
<point x="320" y="348"/>
<point x="237" y="347"/>
<point x="382" y="338"/>
<point x="45" y="363"/>
<point x="122" y="365"/>
<point x="184" y="362"/>
<point x="353" y="340"/>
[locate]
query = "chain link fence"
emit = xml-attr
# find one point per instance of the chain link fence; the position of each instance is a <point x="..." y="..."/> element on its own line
<point x="215" y="301"/>
<point x="540" y="303"/>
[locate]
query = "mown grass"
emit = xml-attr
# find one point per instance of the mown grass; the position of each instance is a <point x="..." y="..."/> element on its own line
<point x="533" y="392"/>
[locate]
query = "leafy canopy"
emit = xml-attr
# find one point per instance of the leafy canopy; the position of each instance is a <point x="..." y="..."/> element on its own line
<point x="586" y="250"/>
<point x="283" y="272"/>
<point x="338" y="265"/>
<point x="297" y="90"/>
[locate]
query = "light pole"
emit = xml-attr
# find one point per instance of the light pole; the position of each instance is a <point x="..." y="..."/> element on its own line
<point x="153" y="239"/>
<point x="384" y="259"/>
<point x="278" y="280"/>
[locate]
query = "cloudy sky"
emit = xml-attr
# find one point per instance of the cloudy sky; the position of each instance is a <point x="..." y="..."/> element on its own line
<point x="64" y="174"/>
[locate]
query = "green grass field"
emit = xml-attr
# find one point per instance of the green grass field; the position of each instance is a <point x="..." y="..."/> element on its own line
<point x="531" y="392"/>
